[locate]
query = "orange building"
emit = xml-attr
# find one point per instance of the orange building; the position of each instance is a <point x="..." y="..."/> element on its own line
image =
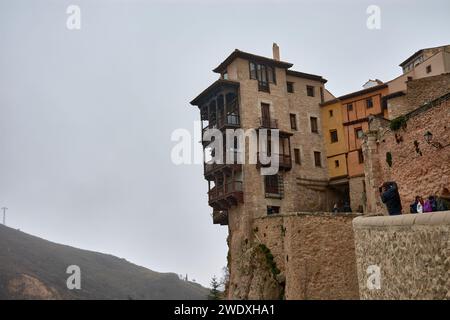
<point x="355" y="109"/>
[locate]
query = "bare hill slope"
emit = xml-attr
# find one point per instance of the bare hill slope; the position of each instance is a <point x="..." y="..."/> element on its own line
<point x="34" y="268"/>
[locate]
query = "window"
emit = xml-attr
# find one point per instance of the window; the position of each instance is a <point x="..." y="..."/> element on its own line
<point x="293" y="119"/>
<point x="297" y="156"/>
<point x="265" y="115"/>
<point x="333" y="136"/>
<point x="336" y="163"/>
<point x="225" y="75"/>
<point x="271" y="184"/>
<point x="349" y="107"/>
<point x="252" y="70"/>
<point x="290" y="87"/>
<point x="261" y="75"/>
<point x="409" y="78"/>
<point x="369" y="103"/>
<point x="359" y="133"/>
<point x="271" y="74"/>
<point x="331" y="113"/>
<point x="360" y="156"/>
<point x="428" y="69"/>
<point x="317" y="159"/>
<point x="310" y="91"/>
<point x="314" y="128"/>
<point x="322" y="98"/>
<point x="273" y="210"/>
<point x="264" y="74"/>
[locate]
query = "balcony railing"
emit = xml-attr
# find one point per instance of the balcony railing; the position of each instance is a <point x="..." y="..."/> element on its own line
<point x="231" y="120"/>
<point x="268" y="123"/>
<point x="263" y="86"/>
<point x="226" y="190"/>
<point x="228" y="120"/>
<point x="284" y="161"/>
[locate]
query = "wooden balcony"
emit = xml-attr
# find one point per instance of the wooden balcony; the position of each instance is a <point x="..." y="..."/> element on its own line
<point x="224" y="196"/>
<point x="220" y="217"/>
<point x="211" y="169"/>
<point x="284" y="162"/>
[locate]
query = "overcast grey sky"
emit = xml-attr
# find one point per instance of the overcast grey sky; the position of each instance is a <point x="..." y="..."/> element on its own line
<point x="86" y="115"/>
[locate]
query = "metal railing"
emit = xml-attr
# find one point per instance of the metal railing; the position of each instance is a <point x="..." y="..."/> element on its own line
<point x="284" y="160"/>
<point x="268" y="123"/>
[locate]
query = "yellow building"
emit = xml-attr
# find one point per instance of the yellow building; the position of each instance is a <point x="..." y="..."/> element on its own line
<point x="335" y="143"/>
<point x="336" y="148"/>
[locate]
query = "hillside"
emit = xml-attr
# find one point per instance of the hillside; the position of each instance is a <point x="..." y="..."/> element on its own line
<point x="34" y="268"/>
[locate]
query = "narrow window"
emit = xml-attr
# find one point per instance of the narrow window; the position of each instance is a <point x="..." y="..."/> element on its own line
<point x="297" y="156"/>
<point x="290" y="87"/>
<point x="350" y="107"/>
<point x="333" y="136"/>
<point x="252" y="70"/>
<point x="271" y="184"/>
<point x="271" y="75"/>
<point x="369" y="103"/>
<point x="314" y="128"/>
<point x="360" y="156"/>
<point x="336" y="163"/>
<point x="310" y="91"/>
<point x="322" y="99"/>
<point x="273" y="210"/>
<point x="359" y="133"/>
<point x="317" y="159"/>
<point x="428" y="69"/>
<point x="331" y="113"/>
<point x="293" y="120"/>
<point x="265" y="115"/>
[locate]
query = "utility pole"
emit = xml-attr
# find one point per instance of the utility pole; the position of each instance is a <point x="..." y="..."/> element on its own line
<point x="4" y="215"/>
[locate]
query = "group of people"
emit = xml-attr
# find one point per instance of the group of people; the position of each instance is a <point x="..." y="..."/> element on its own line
<point x="429" y="205"/>
<point x="391" y="198"/>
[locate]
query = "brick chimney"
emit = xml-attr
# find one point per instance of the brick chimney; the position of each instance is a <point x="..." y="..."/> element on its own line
<point x="276" y="51"/>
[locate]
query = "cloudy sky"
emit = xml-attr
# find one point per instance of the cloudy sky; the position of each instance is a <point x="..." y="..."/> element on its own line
<point x="86" y="115"/>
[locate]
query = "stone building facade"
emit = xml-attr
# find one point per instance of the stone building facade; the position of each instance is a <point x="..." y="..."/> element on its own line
<point x="418" y="92"/>
<point x="256" y="92"/>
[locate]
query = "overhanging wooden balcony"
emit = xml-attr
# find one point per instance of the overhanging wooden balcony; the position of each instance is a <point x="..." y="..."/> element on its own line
<point x="210" y="169"/>
<point x="223" y="197"/>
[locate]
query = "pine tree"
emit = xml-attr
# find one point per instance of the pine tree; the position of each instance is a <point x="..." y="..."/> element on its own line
<point x="214" y="293"/>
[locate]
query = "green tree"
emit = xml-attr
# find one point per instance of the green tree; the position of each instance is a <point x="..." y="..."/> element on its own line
<point x="214" y="292"/>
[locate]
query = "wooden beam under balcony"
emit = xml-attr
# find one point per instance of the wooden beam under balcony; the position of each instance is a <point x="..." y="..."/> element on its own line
<point x="220" y="217"/>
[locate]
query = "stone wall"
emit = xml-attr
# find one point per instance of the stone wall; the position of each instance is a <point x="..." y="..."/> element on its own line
<point x="417" y="167"/>
<point x="419" y="92"/>
<point x="411" y="251"/>
<point x="314" y="253"/>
